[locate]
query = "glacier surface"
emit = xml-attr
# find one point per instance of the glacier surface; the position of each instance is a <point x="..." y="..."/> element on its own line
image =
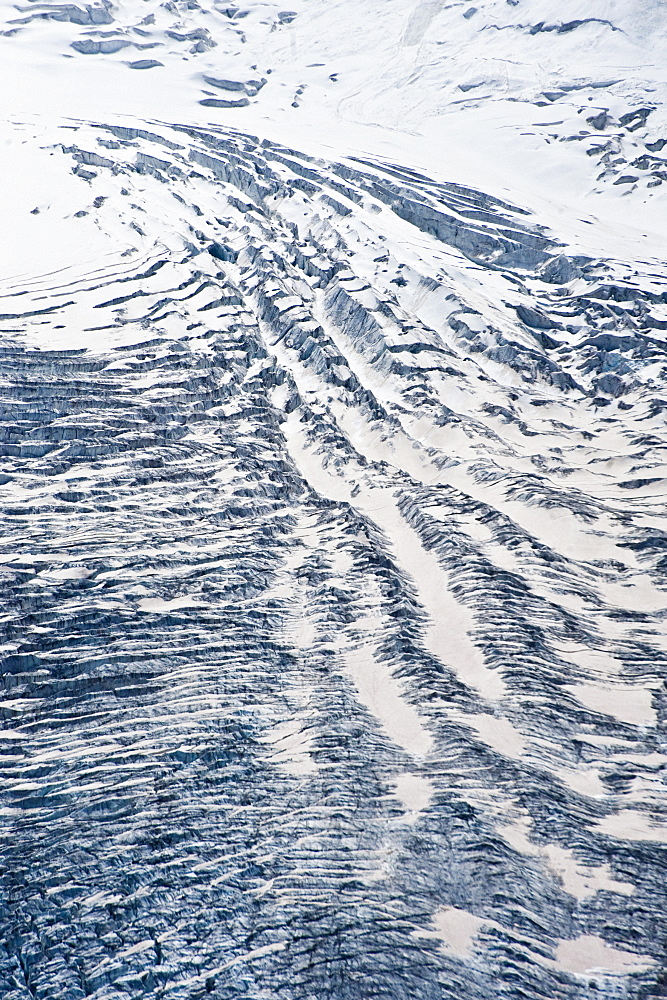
<point x="334" y="549"/>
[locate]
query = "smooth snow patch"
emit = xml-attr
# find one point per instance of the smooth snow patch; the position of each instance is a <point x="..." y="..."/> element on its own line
<point x="590" y="953"/>
<point x="384" y="697"/>
<point x="579" y="880"/>
<point x="414" y="791"/>
<point x="457" y="930"/>
<point x="627" y="704"/>
<point x="157" y="604"/>
<point x="629" y="824"/>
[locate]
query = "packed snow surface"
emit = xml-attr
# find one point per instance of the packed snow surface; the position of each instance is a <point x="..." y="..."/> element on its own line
<point x="334" y="548"/>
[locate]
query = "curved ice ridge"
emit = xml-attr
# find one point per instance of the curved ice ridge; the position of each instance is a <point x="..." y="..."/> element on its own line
<point x="333" y="563"/>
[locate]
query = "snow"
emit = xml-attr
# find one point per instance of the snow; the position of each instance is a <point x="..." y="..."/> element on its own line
<point x="333" y="381"/>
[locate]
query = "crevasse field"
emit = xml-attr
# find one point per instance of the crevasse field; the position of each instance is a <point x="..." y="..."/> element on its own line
<point x="333" y="543"/>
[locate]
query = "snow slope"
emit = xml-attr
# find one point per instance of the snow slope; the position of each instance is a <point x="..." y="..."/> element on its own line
<point x="333" y="549"/>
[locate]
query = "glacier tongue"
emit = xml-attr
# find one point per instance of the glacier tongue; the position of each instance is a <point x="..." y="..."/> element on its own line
<point x="333" y="548"/>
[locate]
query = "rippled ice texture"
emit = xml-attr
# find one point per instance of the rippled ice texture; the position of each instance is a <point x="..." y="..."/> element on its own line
<point x="333" y="550"/>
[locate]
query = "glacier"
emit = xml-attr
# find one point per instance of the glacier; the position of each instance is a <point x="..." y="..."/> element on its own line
<point x="334" y="549"/>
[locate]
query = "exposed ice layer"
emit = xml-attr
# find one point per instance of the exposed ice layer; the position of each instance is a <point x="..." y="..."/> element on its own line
<point x="333" y="562"/>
